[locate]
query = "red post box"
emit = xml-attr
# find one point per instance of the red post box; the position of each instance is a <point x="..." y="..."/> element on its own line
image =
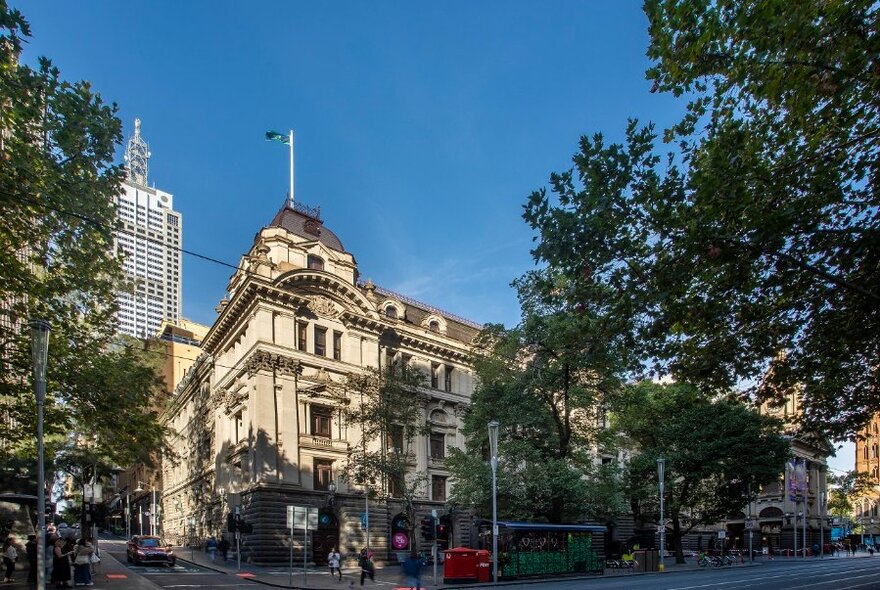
<point x="461" y="565"/>
<point x="484" y="566"/>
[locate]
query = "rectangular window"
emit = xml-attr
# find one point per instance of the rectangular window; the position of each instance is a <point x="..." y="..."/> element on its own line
<point x="435" y="375"/>
<point x="438" y="445"/>
<point x="320" y="341"/>
<point x="323" y="474"/>
<point x="301" y="328"/>
<point x="447" y="379"/>
<point x="394" y="439"/>
<point x="321" y="421"/>
<point x="395" y="487"/>
<point x="337" y="346"/>
<point x="438" y="488"/>
<point x="239" y="427"/>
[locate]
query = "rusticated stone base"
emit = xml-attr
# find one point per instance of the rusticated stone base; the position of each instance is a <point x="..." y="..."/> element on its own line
<point x="269" y="544"/>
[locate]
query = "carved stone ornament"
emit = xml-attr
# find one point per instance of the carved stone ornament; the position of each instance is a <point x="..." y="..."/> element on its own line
<point x="288" y="366"/>
<point x="322" y="306"/>
<point x="230" y="400"/>
<point x="266" y="361"/>
<point x="259" y="361"/>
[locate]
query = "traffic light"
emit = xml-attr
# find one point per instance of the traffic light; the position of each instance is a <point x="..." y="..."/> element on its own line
<point x="429" y="532"/>
<point x="443" y="528"/>
<point x="230" y="522"/>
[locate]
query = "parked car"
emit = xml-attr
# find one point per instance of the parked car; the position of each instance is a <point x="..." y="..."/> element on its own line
<point x="149" y="549"/>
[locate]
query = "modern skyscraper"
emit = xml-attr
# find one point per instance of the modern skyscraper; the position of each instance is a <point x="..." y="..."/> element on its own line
<point x="150" y="234"/>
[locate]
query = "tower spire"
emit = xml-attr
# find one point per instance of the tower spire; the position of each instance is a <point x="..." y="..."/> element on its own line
<point x="137" y="156"/>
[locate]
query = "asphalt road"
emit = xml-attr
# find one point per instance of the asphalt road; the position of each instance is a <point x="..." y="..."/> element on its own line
<point x="814" y="574"/>
<point x="861" y="573"/>
<point x="182" y="575"/>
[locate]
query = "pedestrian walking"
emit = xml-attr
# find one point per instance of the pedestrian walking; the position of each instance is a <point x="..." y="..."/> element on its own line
<point x="365" y="561"/>
<point x="223" y="546"/>
<point x="82" y="565"/>
<point x="334" y="560"/>
<point x="10" y="555"/>
<point x="30" y="549"/>
<point x="211" y="548"/>
<point x="61" y="564"/>
<point x="412" y="571"/>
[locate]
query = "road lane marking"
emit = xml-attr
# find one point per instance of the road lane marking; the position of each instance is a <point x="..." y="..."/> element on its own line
<point x="752" y="581"/>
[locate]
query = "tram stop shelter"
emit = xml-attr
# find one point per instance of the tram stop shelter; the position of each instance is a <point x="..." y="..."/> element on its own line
<point x="540" y="549"/>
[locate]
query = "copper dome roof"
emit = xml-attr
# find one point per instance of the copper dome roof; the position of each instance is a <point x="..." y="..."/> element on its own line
<point x="306" y="222"/>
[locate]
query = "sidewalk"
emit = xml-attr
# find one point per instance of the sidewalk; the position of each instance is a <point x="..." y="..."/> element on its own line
<point x="391" y="576"/>
<point x="280" y="576"/>
<point x="110" y="574"/>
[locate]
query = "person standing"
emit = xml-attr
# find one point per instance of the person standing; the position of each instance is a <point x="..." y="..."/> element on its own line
<point x="82" y="563"/>
<point x="211" y="548"/>
<point x="10" y="554"/>
<point x="30" y="549"/>
<point x="334" y="560"/>
<point x="60" y="565"/>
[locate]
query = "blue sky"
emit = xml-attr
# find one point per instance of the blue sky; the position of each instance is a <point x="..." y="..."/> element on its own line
<point x="421" y="128"/>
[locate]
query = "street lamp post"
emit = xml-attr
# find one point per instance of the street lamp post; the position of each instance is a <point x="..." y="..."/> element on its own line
<point x="821" y="524"/>
<point x="331" y="499"/>
<point x="40" y="352"/>
<point x="493" y="452"/>
<point x="661" y="468"/>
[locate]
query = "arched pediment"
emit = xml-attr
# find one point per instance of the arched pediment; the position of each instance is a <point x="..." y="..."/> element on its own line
<point x="322" y="283"/>
<point x="771" y="512"/>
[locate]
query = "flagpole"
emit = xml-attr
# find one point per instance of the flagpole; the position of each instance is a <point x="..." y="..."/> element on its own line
<point x="290" y="140"/>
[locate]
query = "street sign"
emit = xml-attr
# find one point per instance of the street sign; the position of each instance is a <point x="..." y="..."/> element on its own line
<point x="660" y="528"/>
<point x="751" y="524"/>
<point x="363" y="521"/>
<point x="302" y="518"/>
<point x="722" y="534"/>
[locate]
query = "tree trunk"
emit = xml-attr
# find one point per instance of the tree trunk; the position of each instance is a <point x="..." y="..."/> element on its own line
<point x="676" y="539"/>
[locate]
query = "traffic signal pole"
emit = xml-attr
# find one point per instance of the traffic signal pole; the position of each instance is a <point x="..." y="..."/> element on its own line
<point x="237" y="537"/>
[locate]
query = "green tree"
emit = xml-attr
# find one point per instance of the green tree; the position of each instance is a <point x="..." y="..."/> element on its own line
<point x="845" y="490"/>
<point x="775" y="239"/>
<point x="387" y="407"/>
<point x="545" y="382"/>
<point x="755" y="258"/>
<point x="709" y="469"/>
<point x="57" y="214"/>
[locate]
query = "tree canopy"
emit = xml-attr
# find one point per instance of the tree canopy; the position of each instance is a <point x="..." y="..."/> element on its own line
<point x="710" y="469"/>
<point x="58" y="262"/>
<point x="749" y="255"/>
<point x="545" y="382"/>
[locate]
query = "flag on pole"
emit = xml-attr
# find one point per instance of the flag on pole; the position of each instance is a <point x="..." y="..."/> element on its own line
<point x="280" y="137"/>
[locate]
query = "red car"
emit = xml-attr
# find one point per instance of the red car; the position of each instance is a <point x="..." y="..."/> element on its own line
<point x="149" y="549"/>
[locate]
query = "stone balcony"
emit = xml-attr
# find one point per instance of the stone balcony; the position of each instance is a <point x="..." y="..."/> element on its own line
<point x="322" y="443"/>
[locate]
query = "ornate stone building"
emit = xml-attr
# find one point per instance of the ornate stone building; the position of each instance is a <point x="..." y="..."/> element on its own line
<point x="866" y="509"/>
<point x="258" y="419"/>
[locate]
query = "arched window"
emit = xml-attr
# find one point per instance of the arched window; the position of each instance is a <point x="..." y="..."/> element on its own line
<point x="434" y="326"/>
<point x="391" y="312"/>
<point x="315" y="262"/>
